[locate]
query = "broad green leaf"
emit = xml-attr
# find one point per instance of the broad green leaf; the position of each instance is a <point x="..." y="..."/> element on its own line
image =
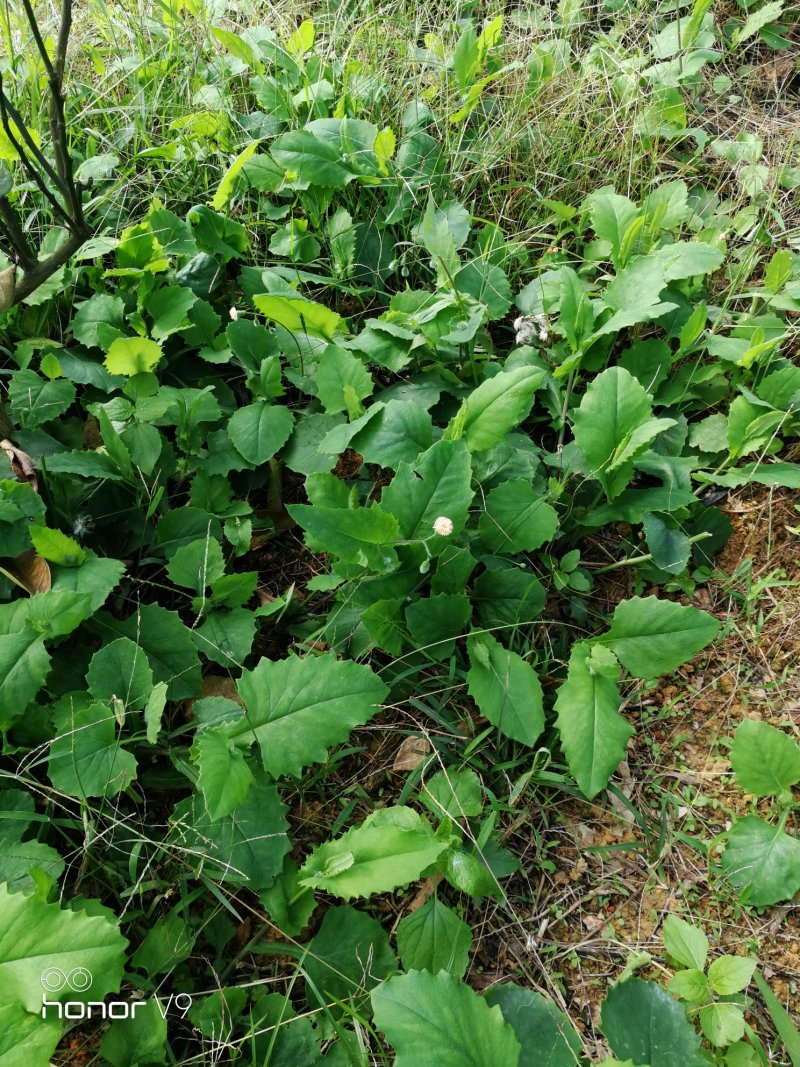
<point x="349" y="955"/>
<point x="298" y="315"/>
<point x="99" y="321"/>
<point x="761" y="862"/>
<point x="24" y="665"/>
<point x="436" y="484"/>
<point x="310" y="160"/>
<point x="140" y="1039"/>
<point x="35" y="401"/>
<point x="342" y="237"/>
<point x="96" y="576"/>
<point x="731" y="974"/>
<point x="643" y="1023"/>
<point x="765" y="761"/>
<point x="27" y="1039"/>
<point x="260" y="430"/>
<point x="593" y="733"/>
<point x="507" y="596"/>
<point x="226" y="637"/>
<point x="38" y="938"/>
<point x="400" y="431"/>
<point x="433" y="938"/>
<point x="224" y="776"/>
<point x="492" y="410"/>
<point x="516" y="519"/>
<point x="437" y="1021"/>
<point x="169" y="307"/>
<point x="757" y="20"/>
<point x="338" y="369"/>
<point x="357" y="535"/>
<point x="453" y="793"/>
<point x="488" y="284"/>
<point x="154" y="711"/>
<point x="390" y="848"/>
<point x="245" y="848"/>
<point x="120" y="671"/>
<point x="506" y="689"/>
<point x="611" y="217"/>
<point x="436" y="621"/>
<point x="216" y="234"/>
<point x="132" y="355"/>
<point x="722" y="1023"/>
<point x="690" y="985"/>
<point x="297" y="708"/>
<point x="547" y="1036"/>
<point x="167" y="643"/>
<point x="669" y="545"/>
<point x="18" y="857"/>
<point x="197" y="565"/>
<point x="613" y="407"/>
<point x="652" y="637"/>
<point x="687" y="944"/>
<point x="289" y="904"/>
<point x="86" y="759"/>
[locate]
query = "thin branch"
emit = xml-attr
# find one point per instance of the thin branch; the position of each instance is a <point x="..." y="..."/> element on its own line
<point x="33" y="278"/>
<point x="19" y="241"/>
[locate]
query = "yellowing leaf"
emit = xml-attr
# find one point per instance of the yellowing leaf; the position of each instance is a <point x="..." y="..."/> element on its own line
<point x="222" y="197"/>
<point x="302" y="39"/>
<point x="132" y="355"/>
<point x="384" y="147"/>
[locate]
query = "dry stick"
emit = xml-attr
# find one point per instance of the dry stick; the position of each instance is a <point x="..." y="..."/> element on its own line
<point x="39" y="270"/>
<point x="9" y="113"/>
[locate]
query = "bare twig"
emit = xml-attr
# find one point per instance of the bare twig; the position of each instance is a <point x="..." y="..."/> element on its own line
<point x="39" y="168"/>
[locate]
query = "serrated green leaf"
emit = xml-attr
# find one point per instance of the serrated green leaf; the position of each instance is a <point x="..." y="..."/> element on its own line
<point x="224" y="777"/>
<point x="731" y="974"/>
<point x="197" y="565"/>
<point x="505" y="688"/>
<point x="132" y="355"/>
<point x="349" y="955"/>
<point x="516" y="519"/>
<point x="593" y="733"/>
<point x="492" y="410"/>
<point x="437" y="1021"/>
<point x="86" y="758"/>
<point x="36" y="937"/>
<point x="765" y="761"/>
<point x="120" y="670"/>
<point x="687" y="944"/>
<point x="434" y="939"/>
<point x="762" y="862"/>
<point x="652" y="637"/>
<point x="260" y="430"/>
<point x="357" y="535"/>
<point x="390" y="848"/>
<point x="297" y="708"/>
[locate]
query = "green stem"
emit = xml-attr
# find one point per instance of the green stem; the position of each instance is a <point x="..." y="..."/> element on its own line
<point x="629" y="562"/>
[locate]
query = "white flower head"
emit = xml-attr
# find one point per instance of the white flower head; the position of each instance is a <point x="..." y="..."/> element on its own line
<point x="443" y="526"/>
<point x="234" y="314"/>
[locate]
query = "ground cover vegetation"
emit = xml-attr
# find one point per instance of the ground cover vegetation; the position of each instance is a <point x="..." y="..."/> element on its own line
<point x="348" y="353"/>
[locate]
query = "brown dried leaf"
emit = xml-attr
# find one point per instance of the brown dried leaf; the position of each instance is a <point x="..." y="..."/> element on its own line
<point x="31" y="572"/>
<point x="411" y="753"/>
<point x="21" y="464"/>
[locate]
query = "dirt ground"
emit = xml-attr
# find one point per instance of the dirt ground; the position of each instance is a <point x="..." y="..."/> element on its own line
<point x="613" y="881"/>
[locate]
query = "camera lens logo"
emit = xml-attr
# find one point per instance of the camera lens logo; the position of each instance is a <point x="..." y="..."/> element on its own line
<point x="79" y="979"/>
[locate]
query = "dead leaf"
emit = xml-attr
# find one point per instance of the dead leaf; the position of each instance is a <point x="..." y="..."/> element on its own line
<point x="30" y="572"/>
<point x="424" y="893"/>
<point x="21" y="464"/>
<point x="411" y="753"/>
